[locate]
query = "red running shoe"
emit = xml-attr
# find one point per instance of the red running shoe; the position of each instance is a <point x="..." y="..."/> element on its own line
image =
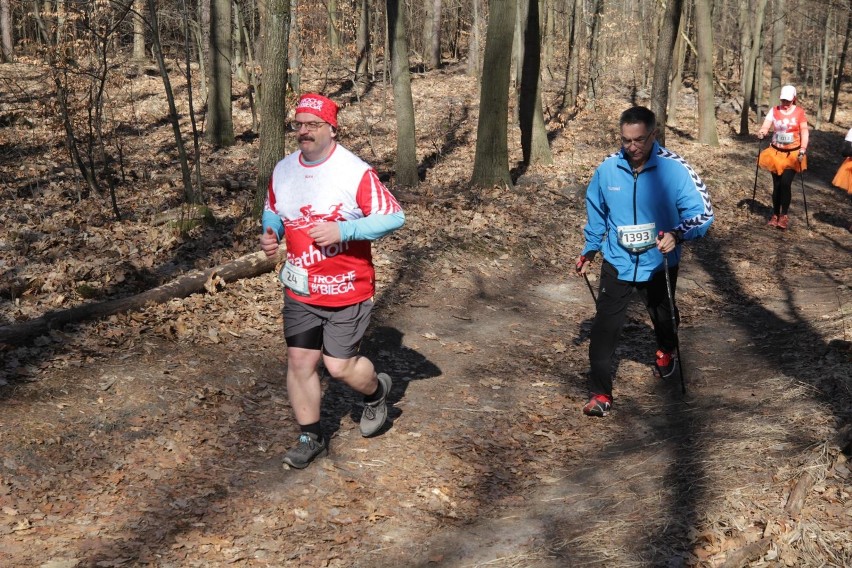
<point x="598" y="405"/>
<point x="773" y="221"/>
<point x="665" y="364"/>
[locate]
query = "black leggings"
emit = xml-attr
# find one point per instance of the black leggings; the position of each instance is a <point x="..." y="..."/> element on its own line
<point x="782" y="191"/>
<point x="613" y="300"/>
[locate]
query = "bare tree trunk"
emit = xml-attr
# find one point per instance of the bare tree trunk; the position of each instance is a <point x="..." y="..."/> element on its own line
<point x="139" y="31"/>
<point x="189" y="194"/>
<point x="593" y="53"/>
<point x="295" y="54"/>
<point x="275" y="23"/>
<point x="220" y="122"/>
<point x="823" y="68"/>
<point x="676" y="80"/>
<point x="841" y="66"/>
<point x="6" y="43"/>
<point x="750" y="42"/>
<point x="491" y="163"/>
<point x="241" y="54"/>
<point x="707" y="133"/>
<point x="406" y="150"/>
<point x="662" y="65"/>
<point x="575" y="40"/>
<point x="432" y="34"/>
<point x="473" y="47"/>
<point x="333" y="28"/>
<point x="549" y="39"/>
<point x="779" y="28"/>
<point x="362" y="42"/>
<point x="534" y="143"/>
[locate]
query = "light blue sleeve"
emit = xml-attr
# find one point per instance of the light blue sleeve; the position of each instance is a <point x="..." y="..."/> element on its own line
<point x="272" y="221"/>
<point x="371" y="227"/>
<point x="595" y="228"/>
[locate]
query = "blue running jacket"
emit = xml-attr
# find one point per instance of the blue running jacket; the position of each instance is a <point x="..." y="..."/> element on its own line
<point x="667" y="192"/>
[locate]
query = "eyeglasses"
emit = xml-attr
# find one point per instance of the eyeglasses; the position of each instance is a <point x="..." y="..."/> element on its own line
<point x="296" y="126"/>
<point x="638" y="142"/>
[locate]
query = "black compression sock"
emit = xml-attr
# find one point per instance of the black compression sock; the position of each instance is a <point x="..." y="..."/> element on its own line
<point x="312" y="429"/>
<point x="376" y="395"/>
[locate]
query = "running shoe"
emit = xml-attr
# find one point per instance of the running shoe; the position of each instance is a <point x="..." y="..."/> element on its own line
<point x="783" y="221"/>
<point x="375" y="413"/>
<point x="306" y="450"/>
<point x="598" y="405"/>
<point x="665" y="364"/>
<point x="773" y="221"/>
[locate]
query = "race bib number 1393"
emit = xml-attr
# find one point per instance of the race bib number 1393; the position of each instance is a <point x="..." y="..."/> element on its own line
<point x="637" y="238"/>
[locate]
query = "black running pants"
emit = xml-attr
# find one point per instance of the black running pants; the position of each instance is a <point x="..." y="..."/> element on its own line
<point x="782" y="192"/>
<point x="614" y="298"/>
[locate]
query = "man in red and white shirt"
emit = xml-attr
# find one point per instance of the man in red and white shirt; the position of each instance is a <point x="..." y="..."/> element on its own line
<point x="329" y="205"/>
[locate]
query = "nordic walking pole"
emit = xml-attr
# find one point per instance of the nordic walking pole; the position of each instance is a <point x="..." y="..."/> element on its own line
<point x="805" y="199"/>
<point x="591" y="290"/>
<point x="756" y="170"/>
<point x="579" y="267"/>
<point x="674" y="320"/>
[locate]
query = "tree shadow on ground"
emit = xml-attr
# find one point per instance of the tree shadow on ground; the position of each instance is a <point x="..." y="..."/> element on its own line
<point x="383" y="346"/>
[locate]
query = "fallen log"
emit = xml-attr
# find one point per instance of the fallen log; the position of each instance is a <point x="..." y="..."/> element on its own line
<point x="247" y="266"/>
<point x="798" y="495"/>
<point x="741" y="557"/>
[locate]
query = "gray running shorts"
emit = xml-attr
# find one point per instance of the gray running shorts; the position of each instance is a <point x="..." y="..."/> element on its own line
<point x="337" y="331"/>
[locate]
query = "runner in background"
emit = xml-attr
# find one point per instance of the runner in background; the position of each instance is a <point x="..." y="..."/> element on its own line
<point x="633" y="195"/>
<point x="843" y="177"/>
<point x="786" y="153"/>
<point x="328" y="204"/>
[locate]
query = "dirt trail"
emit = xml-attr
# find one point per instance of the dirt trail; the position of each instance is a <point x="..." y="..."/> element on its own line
<point x="155" y="438"/>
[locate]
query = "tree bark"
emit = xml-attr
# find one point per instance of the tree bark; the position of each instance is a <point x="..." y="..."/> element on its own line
<point x="7" y="45"/>
<point x="750" y="42"/>
<point x="406" y="150"/>
<point x="823" y="69"/>
<point x="189" y="194"/>
<point x="676" y="75"/>
<point x="534" y="143"/>
<point x="432" y="34"/>
<point x="779" y="28"/>
<point x="333" y="28"/>
<point x="491" y="163"/>
<point x="220" y="122"/>
<point x="473" y="66"/>
<point x="139" y="31"/>
<point x="841" y="66"/>
<point x="295" y="46"/>
<point x="362" y="43"/>
<point x="662" y="65"/>
<point x="707" y="133"/>
<point x="248" y="266"/>
<point x="275" y="24"/>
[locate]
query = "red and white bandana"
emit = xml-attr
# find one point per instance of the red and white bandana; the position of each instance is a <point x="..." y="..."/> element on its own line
<point x="319" y="106"/>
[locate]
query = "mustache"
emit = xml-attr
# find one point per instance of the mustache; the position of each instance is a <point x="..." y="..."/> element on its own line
<point x="306" y="138"/>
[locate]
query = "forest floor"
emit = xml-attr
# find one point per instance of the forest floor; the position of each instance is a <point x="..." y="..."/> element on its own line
<point x="155" y="438"/>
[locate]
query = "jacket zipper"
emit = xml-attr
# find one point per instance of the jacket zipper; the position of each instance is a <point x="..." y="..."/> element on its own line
<point x="635" y="213"/>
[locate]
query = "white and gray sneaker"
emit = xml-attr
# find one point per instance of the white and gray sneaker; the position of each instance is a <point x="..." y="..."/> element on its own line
<point x="375" y="413"/>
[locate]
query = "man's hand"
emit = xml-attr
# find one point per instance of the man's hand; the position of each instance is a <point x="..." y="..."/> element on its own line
<point x="583" y="263"/>
<point x="269" y="242"/>
<point x="325" y="234"/>
<point x="666" y="242"/>
<point x="761" y="134"/>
